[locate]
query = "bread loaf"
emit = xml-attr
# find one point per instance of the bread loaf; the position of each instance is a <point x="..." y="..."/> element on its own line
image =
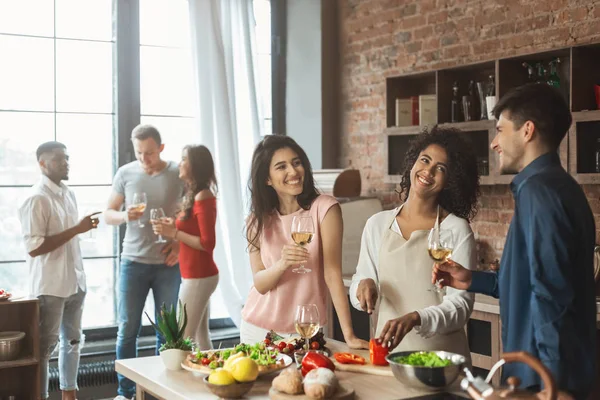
<point x="320" y="383"/>
<point x="289" y="381"/>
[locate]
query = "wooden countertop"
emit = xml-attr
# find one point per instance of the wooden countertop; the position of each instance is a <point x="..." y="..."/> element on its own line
<point x="150" y="373"/>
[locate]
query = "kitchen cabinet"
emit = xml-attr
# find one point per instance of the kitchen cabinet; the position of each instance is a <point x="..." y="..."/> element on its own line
<point x="21" y="377"/>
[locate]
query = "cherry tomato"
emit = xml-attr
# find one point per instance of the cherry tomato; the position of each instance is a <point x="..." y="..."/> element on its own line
<point x="205" y="361"/>
<point x="291" y="347"/>
<point x="267" y="341"/>
<point x="281" y="346"/>
<point x="1" y="292"/>
<point x="315" y="345"/>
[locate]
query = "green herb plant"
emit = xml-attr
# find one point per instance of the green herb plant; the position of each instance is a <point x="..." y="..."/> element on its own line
<point x="171" y="326"/>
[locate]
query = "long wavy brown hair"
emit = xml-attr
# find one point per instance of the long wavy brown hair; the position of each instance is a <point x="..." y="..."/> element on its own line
<point x="203" y="176"/>
<point x="264" y="200"/>
<point x="460" y="194"/>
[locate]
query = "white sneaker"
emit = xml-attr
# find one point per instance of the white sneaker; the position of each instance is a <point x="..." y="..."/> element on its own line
<point x="119" y="397"/>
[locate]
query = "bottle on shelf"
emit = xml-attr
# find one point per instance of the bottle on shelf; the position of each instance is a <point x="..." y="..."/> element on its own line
<point x="490" y="96"/>
<point x="530" y="77"/>
<point x="455" y="106"/>
<point x="553" y="77"/>
<point x="541" y="73"/>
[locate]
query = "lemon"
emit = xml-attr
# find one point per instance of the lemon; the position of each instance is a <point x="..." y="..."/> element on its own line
<point x="232" y="358"/>
<point x="221" y="377"/>
<point x="244" y="369"/>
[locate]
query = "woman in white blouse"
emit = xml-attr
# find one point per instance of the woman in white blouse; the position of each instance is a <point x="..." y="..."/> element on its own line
<point x="440" y="182"/>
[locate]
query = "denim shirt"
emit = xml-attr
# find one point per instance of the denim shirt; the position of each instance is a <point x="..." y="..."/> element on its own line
<point x="545" y="283"/>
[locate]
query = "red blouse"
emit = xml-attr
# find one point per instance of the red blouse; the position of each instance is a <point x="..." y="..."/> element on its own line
<point x="195" y="263"/>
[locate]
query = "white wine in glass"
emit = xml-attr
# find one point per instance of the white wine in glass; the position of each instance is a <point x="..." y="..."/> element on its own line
<point x="139" y="204"/>
<point x="302" y="234"/>
<point x="440" y="246"/>
<point x="307" y="322"/>
<point x="156" y="215"/>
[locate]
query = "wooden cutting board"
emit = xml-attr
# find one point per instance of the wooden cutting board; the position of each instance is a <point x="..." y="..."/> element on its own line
<point x="344" y="392"/>
<point x="368" y="368"/>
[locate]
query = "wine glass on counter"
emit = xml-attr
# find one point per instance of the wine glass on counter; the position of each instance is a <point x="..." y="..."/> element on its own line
<point x="307" y="322"/>
<point x="139" y="204"/>
<point x="440" y="246"/>
<point x="302" y="234"/>
<point x="156" y="215"/>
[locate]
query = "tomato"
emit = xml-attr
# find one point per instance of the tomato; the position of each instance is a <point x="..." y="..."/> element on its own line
<point x="291" y="347"/>
<point x="315" y="345"/>
<point x="349" y="358"/>
<point x="205" y="361"/>
<point x="1" y="292"/>
<point x="314" y="360"/>
<point x="267" y="341"/>
<point x="281" y="346"/>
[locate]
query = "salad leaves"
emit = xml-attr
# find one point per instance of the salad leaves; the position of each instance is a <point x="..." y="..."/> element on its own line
<point x="258" y="352"/>
<point x="423" y="359"/>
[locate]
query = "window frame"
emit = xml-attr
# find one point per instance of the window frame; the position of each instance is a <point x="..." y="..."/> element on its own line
<point x="127" y="113"/>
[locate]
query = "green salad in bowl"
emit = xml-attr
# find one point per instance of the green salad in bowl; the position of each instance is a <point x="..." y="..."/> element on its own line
<point x="432" y="370"/>
<point x="423" y="359"/>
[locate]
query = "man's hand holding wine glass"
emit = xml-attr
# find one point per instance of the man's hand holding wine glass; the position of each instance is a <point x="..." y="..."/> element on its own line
<point x="450" y="273"/>
<point x="134" y="213"/>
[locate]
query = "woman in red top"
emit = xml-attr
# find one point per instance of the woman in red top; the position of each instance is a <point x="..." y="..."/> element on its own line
<point x="195" y="230"/>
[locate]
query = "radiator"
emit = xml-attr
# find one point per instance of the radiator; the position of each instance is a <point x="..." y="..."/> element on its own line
<point x="90" y="374"/>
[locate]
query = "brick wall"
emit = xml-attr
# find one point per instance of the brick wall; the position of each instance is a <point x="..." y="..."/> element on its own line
<point x="381" y="38"/>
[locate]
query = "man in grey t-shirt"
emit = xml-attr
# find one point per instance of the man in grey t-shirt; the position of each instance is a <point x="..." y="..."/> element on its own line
<point x="145" y="264"/>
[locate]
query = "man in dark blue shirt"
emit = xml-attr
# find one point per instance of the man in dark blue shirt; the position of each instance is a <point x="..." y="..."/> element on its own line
<point x="545" y="283"/>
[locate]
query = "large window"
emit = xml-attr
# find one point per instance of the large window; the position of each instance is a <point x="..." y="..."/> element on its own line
<point x="63" y="68"/>
<point x="56" y="83"/>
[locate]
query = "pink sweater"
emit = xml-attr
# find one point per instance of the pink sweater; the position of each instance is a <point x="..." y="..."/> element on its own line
<point x="276" y="309"/>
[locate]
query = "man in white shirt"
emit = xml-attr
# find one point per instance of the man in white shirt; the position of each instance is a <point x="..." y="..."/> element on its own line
<point x="49" y="223"/>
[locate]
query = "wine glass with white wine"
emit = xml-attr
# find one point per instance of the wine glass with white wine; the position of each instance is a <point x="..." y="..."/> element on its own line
<point x="307" y="322"/>
<point x="139" y="204"/>
<point x="440" y="246"/>
<point x="302" y="234"/>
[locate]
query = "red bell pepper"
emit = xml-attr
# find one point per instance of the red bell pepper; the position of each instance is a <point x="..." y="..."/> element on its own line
<point x="314" y="360"/>
<point x="349" y="358"/>
<point x="377" y="352"/>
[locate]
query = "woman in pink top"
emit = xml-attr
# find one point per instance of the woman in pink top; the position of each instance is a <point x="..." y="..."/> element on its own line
<point x="282" y="186"/>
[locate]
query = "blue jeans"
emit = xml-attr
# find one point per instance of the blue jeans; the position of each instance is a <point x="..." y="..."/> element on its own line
<point x="61" y="317"/>
<point x="135" y="281"/>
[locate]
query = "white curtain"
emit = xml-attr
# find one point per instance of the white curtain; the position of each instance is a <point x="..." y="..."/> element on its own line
<point x="223" y="45"/>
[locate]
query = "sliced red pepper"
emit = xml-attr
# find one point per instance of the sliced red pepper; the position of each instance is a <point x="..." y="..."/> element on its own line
<point x="314" y="360"/>
<point x="349" y="358"/>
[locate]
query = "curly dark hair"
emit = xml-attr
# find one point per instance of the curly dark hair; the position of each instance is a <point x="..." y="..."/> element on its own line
<point x="460" y="194"/>
<point x="264" y="200"/>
